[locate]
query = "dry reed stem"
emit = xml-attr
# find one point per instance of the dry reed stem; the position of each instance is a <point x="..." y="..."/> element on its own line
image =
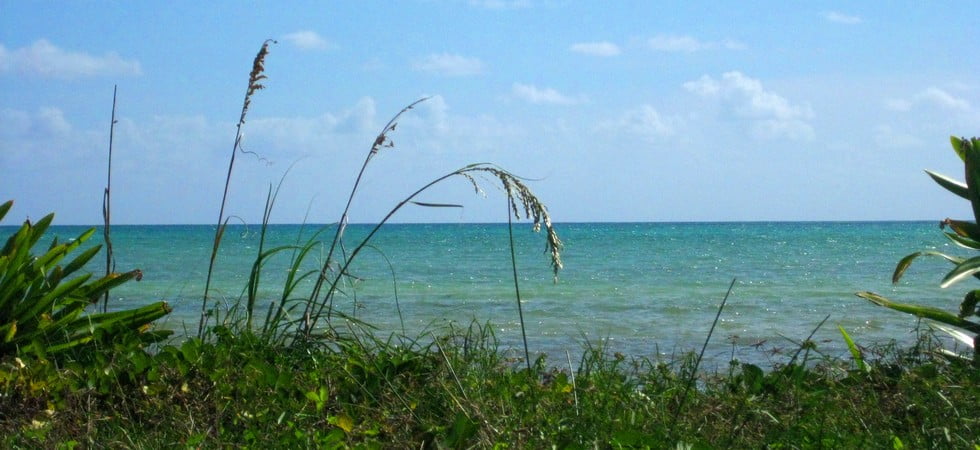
<point x="254" y="78"/>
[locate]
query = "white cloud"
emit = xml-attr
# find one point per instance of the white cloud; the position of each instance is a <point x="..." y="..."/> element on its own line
<point x="450" y="65"/>
<point x="46" y="60"/>
<point x="772" y="115"/>
<point x="28" y="138"/>
<point x="307" y="40"/>
<point x="942" y="98"/>
<point x="932" y="95"/>
<point x="534" y="94"/>
<point x="688" y="44"/>
<point x="596" y="48"/>
<point x="897" y="104"/>
<point x="704" y="86"/>
<point x="887" y="137"/>
<point x="841" y="18"/>
<point x="644" y="121"/>
<point x="47" y="122"/>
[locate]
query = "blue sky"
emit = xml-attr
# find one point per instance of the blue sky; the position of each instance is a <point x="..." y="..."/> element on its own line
<point x="620" y="111"/>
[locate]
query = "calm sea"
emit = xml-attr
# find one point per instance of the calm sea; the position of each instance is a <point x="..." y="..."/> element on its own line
<point x="643" y="288"/>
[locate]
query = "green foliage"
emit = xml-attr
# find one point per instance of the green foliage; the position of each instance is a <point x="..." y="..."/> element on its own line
<point x="42" y="301"/>
<point x="460" y="390"/>
<point x="965" y="234"/>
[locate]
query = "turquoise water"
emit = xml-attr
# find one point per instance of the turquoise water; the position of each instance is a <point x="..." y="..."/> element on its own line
<point x="645" y="288"/>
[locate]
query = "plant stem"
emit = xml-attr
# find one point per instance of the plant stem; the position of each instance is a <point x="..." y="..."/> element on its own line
<point x="110" y="265"/>
<point x="517" y="288"/>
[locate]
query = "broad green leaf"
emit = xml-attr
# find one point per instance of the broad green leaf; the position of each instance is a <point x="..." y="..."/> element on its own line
<point x="921" y="311"/>
<point x="81" y="260"/>
<point x="855" y="351"/>
<point x="969" y="305"/>
<point x="904" y="264"/>
<point x="962" y="228"/>
<point x="5" y="207"/>
<point x="961" y="271"/>
<point x="957" y="144"/>
<point x="964" y="338"/>
<point x="964" y="242"/>
<point x="950" y="184"/>
<point x="973" y="176"/>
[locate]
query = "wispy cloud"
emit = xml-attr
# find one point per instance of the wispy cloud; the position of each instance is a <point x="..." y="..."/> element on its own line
<point x="644" y="121"/>
<point x="534" y="94"/>
<point x="689" y="44"/>
<point x="449" y="65"/>
<point x="307" y="40"/>
<point x="596" y="48"/>
<point x="841" y="18"/>
<point x="44" y="59"/>
<point x="932" y="95"/>
<point x="771" y="115"/>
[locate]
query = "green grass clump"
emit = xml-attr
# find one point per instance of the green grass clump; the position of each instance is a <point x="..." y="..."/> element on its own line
<point x="460" y="389"/>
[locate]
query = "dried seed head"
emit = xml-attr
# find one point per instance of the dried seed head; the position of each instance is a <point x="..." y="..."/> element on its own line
<point x="530" y="205"/>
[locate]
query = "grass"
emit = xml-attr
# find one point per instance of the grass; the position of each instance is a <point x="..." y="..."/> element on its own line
<point x="459" y="389"/>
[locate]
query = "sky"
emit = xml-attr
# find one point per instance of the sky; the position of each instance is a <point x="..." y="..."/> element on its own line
<point x="613" y="111"/>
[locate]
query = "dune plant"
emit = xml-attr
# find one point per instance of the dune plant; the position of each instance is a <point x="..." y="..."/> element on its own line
<point x="255" y="78"/>
<point x="110" y="260"/>
<point x="42" y="302"/>
<point x="521" y="202"/>
<point x="965" y="234"/>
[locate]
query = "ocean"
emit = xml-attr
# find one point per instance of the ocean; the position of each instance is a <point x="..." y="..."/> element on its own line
<point x="642" y="289"/>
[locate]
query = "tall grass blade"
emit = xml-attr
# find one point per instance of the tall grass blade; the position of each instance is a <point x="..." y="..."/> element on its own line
<point x="254" y="85"/>
<point x="381" y="141"/>
<point x="951" y="185"/>
<point x="855" y="351"/>
<point x="697" y="362"/>
<point x="922" y="311"/>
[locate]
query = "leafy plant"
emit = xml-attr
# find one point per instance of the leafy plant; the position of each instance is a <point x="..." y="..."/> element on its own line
<point x="42" y="306"/>
<point x="965" y="234"/>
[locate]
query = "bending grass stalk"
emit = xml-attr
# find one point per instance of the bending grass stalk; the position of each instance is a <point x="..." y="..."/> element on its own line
<point x="381" y="141"/>
<point x="517" y="288"/>
<point x="513" y="187"/>
<point x="254" y="85"/>
<point x="697" y="362"/>
<point x="394" y="285"/>
<point x="568" y="359"/>
<point x="110" y="260"/>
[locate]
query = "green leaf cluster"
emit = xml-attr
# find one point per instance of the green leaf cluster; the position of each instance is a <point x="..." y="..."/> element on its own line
<point x="43" y="297"/>
<point x="965" y="234"/>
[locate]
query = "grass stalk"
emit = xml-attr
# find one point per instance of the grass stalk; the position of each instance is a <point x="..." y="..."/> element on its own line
<point x="110" y="262"/>
<point x="254" y="85"/>
<point x="517" y="288"/>
<point x="381" y="141"/>
<point x="516" y="191"/>
<point x="697" y="362"/>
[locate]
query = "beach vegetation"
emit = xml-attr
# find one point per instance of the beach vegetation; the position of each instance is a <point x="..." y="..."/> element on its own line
<point x="965" y="234"/>
<point x="43" y="300"/>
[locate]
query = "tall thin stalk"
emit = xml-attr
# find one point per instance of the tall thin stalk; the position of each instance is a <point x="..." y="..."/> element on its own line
<point x="517" y="288"/>
<point x="516" y="191"/>
<point x="110" y="263"/>
<point x="697" y="362"/>
<point x="381" y="141"/>
<point x="254" y="85"/>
